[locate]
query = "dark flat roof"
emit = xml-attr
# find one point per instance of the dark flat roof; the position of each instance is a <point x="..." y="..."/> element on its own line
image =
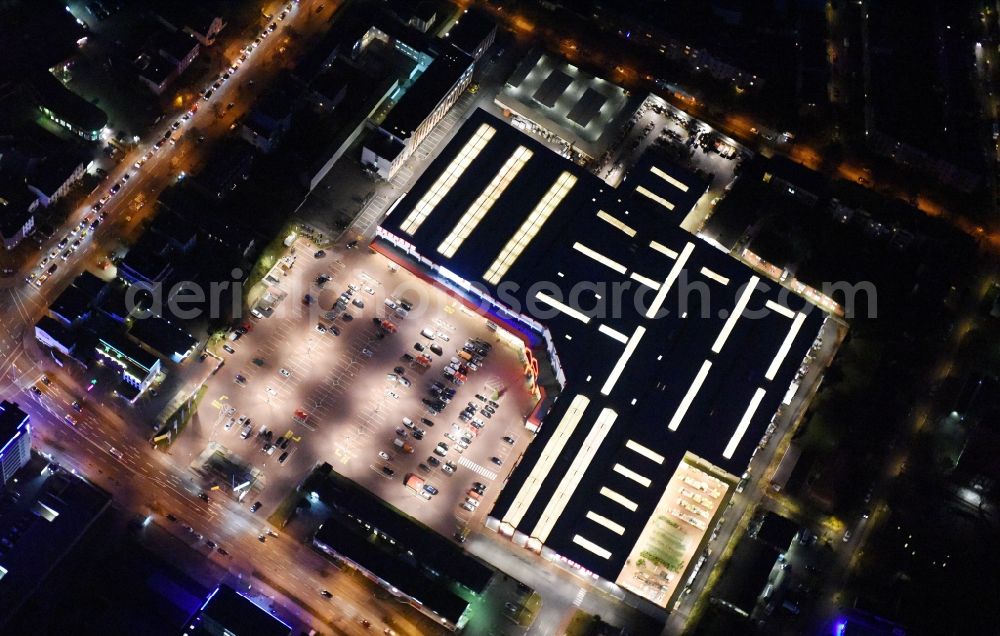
<point x="72" y="303"/>
<point x="162" y="335"/>
<point x="587" y="108"/>
<point x="238" y="615"/>
<point x="158" y="69"/>
<point x="129" y="348"/>
<point x="383" y="145"/>
<point x="57" y="330"/>
<point x="777" y="531"/>
<point x="15" y="199"/>
<point x="343" y="537"/>
<point x="430" y="548"/>
<point x="472" y="28"/>
<point x="176" y="44"/>
<point x="11" y="417"/>
<point x="67" y="104"/>
<point x="427" y="92"/>
<point x="52" y="514"/>
<point x="552" y="88"/>
<point x="756" y="561"/>
<point x="687" y="379"/>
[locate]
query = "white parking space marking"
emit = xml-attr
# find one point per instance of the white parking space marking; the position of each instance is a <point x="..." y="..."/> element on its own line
<point x="471" y="465"/>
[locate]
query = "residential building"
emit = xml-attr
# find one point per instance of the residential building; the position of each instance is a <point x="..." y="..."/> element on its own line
<point x="162" y="337"/>
<point x="196" y="19"/>
<point x="418" y="15"/>
<point x="56" y="335"/>
<point x="166" y="58"/>
<point x="155" y="72"/>
<point x="15" y="442"/>
<point x="178" y="48"/>
<point x="228" y="166"/>
<point x="55" y="175"/>
<point x="47" y="164"/>
<point x="17" y="211"/>
<point x="72" y="306"/>
<point x="149" y="261"/>
<point x="269" y="120"/>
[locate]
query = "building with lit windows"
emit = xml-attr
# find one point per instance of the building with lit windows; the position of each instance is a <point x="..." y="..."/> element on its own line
<point x="17" y="211"/>
<point x="668" y="359"/>
<point x="39" y="38"/>
<point x="138" y="367"/>
<point x="15" y="436"/>
<point x="423" y="105"/>
<point x="67" y="109"/>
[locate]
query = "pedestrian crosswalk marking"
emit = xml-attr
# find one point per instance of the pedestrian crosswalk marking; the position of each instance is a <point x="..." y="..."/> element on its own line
<point x="473" y="466"/>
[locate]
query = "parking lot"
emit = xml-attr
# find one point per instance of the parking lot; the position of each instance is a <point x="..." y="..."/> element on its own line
<point x="332" y="385"/>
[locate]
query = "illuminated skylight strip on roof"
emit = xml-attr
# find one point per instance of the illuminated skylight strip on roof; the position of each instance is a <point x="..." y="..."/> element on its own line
<point x="779" y="308"/>
<point x="591" y="546"/>
<point x="646" y="452"/>
<point x="719" y="278"/>
<point x="616" y="222"/>
<point x="553" y="448"/>
<point x="614" y="333"/>
<point x="666" y="177"/>
<point x="648" y="282"/>
<point x="526" y="233"/>
<point x="631" y="474"/>
<point x="649" y="194"/>
<point x="448" y="178"/>
<point x="692" y="392"/>
<point x="568" y="484"/>
<point x="600" y="258"/>
<point x="741" y="304"/>
<point x="563" y="307"/>
<point x="619" y="499"/>
<point x="785" y="346"/>
<point x="663" y="249"/>
<point x="675" y="271"/>
<point x="484" y="202"/>
<point x="601" y="520"/>
<point x="744" y="424"/>
<point x="630" y="346"/>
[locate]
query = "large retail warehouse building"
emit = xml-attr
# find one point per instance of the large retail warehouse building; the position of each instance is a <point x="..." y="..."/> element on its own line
<point x="671" y="357"/>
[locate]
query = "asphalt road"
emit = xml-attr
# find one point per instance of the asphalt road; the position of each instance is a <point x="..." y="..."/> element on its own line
<point x="111" y="449"/>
